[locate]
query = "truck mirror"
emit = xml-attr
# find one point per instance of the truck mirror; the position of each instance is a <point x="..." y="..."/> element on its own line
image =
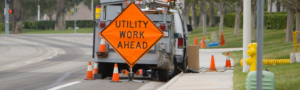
<point x="190" y="28"/>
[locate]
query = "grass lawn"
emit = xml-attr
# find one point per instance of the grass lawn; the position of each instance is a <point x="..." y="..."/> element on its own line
<point x="33" y="31"/>
<point x="287" y="75"/>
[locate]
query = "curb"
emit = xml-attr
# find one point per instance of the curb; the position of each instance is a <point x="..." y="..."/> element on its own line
<point x="170" y="82"/>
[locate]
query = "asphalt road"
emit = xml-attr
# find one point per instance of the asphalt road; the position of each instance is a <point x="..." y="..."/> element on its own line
<point x="41" y="62"/>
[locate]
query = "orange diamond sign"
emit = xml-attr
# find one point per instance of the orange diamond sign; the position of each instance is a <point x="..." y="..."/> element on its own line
<point x="132" y="34"/>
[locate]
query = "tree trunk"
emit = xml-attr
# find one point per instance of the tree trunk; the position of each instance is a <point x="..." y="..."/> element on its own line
<point x="60" y="23"/>
<point x="212" y="22"/>
<point x="237" y="23"/>
<point x="221" y="23"/>
<point x="271" y="5"/>
<point x="194" y="19"/>
<point x="200" y="19"/>
<point x="298" y="24"/>
<point x="186" y="12"/>
<point x="204" y="23"/>
<point x="278" y="6"/>
<point x="17" y="22"/>
<point x="290" y="25"/>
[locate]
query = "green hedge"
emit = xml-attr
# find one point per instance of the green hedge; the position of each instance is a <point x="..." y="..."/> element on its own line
<point x="51" y="24"/>
<point x="271" y="21"/>
<point x="2" y="26"/>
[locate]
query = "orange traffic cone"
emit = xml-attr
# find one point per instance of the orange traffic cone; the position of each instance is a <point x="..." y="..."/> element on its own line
<point x="95" y="68"/>
<point x="203" y="43"/>
<point x="89" y="74"/>
<point x="102" y="49"/>
<point x="141" y="71"/>
<point x="196" y="41"/>
<point x="222" y="42"/>
<point x="115" y="77"/>
<point x="228" y="63"/>
<point x="212" y="64"/>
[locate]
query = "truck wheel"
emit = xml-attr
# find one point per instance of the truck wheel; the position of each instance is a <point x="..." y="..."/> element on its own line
<point x="163" y="75"/>
<point x="105" y="69"/>
<point x="175" y="71"/>
<point x="184" y="65"/>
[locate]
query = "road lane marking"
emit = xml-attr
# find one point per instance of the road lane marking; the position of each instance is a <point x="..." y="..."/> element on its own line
<point x="58" y="81"/>
<point x="66" y="85"/>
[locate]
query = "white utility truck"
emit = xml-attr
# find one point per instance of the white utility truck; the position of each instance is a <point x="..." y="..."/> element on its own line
<point x="167" y="16"/>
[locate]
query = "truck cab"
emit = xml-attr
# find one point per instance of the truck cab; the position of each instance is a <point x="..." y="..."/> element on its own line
<point x="170" y="21"/>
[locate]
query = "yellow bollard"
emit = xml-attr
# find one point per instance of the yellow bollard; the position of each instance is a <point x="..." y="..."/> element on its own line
<point x="252" y="59"/>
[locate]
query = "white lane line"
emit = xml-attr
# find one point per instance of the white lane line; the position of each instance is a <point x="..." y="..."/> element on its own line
<point x="66" y="85"/>
<point x="28" y="62"/>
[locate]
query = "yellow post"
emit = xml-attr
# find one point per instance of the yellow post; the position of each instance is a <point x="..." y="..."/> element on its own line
<point x="252" y="59"/>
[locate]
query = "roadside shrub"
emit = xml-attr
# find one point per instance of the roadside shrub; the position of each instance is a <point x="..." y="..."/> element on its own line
<point x="2" y="26"/>
<point x="275" y="21"/>
<point x="51" y="24"/>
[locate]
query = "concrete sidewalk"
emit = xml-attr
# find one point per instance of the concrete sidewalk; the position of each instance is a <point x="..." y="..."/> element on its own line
<point x="205" y="80"/>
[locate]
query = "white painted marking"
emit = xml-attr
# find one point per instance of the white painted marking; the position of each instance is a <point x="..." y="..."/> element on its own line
<point x="66" y="85"/>
<point x="28" y="62"/>
<point x="49" y="57"/>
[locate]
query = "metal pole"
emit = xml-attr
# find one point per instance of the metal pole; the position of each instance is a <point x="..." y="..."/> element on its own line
<point x="92" y="9"/>
<point x="6" y="18"/>
<point x="260" y="38"/>
<point x="246" y="32"/>
<point x="39" y="11"/>
<point x="75" y="18"/>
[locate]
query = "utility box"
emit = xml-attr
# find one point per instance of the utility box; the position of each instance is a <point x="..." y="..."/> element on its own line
<point x="193" y="57"/>
<point x="267" y="84"/>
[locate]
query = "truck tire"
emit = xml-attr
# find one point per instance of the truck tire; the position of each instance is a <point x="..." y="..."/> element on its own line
<point x="184" y="65"/>
<point x="105" y="69"/>
<point x="175" y="71"/>
<point x="163" y="75"/>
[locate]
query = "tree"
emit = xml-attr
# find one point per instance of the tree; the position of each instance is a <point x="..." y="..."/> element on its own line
<point x="17" y="22"/>
<point x="48" y="7"/>
<point x="88" y="3"/>
<point x="2" y="16"/>
<point x="212" y="22"/>
<point x="271" y="5"/>
<point x="204" y="14"/>
<point x="194" y="19"/>
<point x="253" y="18"/>
<point x="238" y="8"/>
<point x="289" y="25"/>
<point x="60" y="23"/>
<point x="221" y="8"/>
<point x="278" y="5"/>
<point x="186" y="11"/>
<point x="61" y="7"/>
<point x="29" y="9"/>
<point x="293" y="5"/>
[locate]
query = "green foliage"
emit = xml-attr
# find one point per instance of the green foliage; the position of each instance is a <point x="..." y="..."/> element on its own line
<point x="51" y="24"/>
<point x="275" y="21"/>
<point x="2" y="26"/>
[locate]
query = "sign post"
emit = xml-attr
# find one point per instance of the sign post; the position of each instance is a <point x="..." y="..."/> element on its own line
<point x="132" y="34"/>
